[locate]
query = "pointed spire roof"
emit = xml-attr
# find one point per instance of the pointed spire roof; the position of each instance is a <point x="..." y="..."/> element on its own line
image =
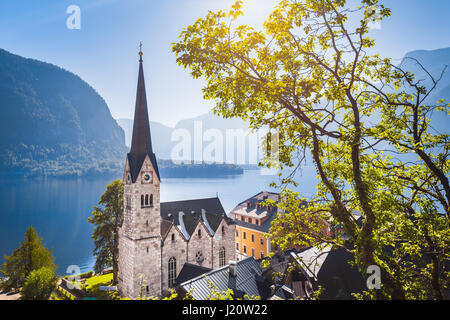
<point x="141" y="142"/>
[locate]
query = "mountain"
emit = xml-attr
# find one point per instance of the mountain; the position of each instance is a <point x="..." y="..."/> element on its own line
<point x="54" y="123"/>
<point x="434" y="62"/>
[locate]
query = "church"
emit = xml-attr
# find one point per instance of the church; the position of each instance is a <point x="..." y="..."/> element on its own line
<point x="156" y="238"/>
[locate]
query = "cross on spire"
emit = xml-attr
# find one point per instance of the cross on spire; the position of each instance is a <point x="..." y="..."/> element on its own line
<point x="140" y="51"/>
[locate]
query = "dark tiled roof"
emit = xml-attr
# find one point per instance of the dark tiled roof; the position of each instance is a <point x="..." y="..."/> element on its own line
<point x="191" y="271"/>
<point x="248" y="280"/>
<point x="282" y="292"/>
<point x="141" y="142"/>
<point x="334" y="273"/>
<point x="192" y="210"/>
<point x="261" y="196"/>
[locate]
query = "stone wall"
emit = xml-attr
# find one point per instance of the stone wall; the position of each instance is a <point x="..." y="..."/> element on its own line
<point x="226" y="240"/>
<point x="201" y="244"/>
<point x="177" y="249"/>
<point x="139" y="237"/>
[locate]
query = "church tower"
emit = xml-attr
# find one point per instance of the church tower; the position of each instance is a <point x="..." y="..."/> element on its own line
<point x="140" y="234"/>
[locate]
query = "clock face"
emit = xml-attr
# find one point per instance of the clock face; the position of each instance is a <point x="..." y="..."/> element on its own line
<point x="147" y="178"/>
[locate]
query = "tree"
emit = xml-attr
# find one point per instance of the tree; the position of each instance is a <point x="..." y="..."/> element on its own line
<point x="363" y="121"/>
<point x="107" y="220"/>
<point x="31" y="255"/>
<point x="39" y="284"/>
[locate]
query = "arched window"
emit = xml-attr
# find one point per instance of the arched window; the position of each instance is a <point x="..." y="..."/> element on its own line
<point x="151" y="200"/>
<point x="146" y="200"/>
<point x="172" y="271"/>
<point x="199" y="233"/>
<point x="173" y="237"/>
<point x="223" y="230"/>
<point x="142" y="200"/>
<point x="222" y="257"/>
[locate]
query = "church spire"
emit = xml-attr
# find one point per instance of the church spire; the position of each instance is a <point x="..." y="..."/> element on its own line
<point x="141" y="142"/>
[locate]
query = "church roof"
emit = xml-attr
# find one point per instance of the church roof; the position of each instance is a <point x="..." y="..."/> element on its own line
<point x="248" y="280"/>
<point x="165" y="227"/>
<point x="210" y="211"/>
<point x="141" y="142"/>
<point x="191" y="271"/>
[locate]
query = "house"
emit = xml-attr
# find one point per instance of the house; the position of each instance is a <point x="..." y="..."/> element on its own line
<point x="244" y="277"/>
<point x="326" y="267"/>
<point x="253" y="218"/>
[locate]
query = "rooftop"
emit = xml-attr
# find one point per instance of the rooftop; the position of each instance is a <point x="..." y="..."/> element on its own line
<point x="247" y="281"/>
<point x="250" y="208"/>
<point x="187" y="214"/>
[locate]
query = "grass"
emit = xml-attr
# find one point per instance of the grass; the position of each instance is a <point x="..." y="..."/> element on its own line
<point x="92" y="284"/>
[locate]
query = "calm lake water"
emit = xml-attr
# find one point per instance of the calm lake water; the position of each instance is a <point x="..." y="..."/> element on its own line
<point x="59" y="208"/>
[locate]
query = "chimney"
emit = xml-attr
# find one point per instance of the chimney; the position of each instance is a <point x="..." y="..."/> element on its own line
<point x="233" y="268"/>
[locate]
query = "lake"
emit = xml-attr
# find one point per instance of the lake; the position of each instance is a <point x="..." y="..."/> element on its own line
<point x="59" y="208"/>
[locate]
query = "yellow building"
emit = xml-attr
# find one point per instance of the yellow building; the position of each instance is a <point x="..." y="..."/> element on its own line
<point x="253" y="218"/>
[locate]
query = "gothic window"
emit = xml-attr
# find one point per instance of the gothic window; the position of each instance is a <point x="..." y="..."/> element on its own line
<point x="222" y="257"/>
<point x="128" y="202"/>
<point x="147" y="288"/>
<point x="172" y="271"/>
<point x="151" y="200"/>
<point x="223" y="230"/>
<point x="142" y="200"/>
<point x="199" y="233"/>
<point x="199" y="257"/>
<point x="173" y="237"/>
<point x="146" y="200"/>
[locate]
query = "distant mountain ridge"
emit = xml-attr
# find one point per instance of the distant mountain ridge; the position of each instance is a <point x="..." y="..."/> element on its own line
<point x="162" y="134"/>
<point x="53" y="122"/>
<point x="434" y="62"/>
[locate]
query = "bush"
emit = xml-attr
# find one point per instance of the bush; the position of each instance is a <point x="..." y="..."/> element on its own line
<point x="39" y="284"/>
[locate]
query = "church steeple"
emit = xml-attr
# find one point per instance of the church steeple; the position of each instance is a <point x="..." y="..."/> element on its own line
<point x="141" y="142"/>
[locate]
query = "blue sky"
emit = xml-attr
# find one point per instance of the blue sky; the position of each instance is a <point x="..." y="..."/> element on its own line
<point x="104" y="51"/>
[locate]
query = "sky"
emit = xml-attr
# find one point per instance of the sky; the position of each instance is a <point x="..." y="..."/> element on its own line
<point x="104" y="51"/>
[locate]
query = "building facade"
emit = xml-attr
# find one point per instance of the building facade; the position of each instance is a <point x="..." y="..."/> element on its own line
<point x="253" y="218"/>
<point x="156" y="239"/>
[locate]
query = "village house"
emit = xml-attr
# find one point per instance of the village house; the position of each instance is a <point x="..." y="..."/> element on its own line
<point x="253" y="218"/>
